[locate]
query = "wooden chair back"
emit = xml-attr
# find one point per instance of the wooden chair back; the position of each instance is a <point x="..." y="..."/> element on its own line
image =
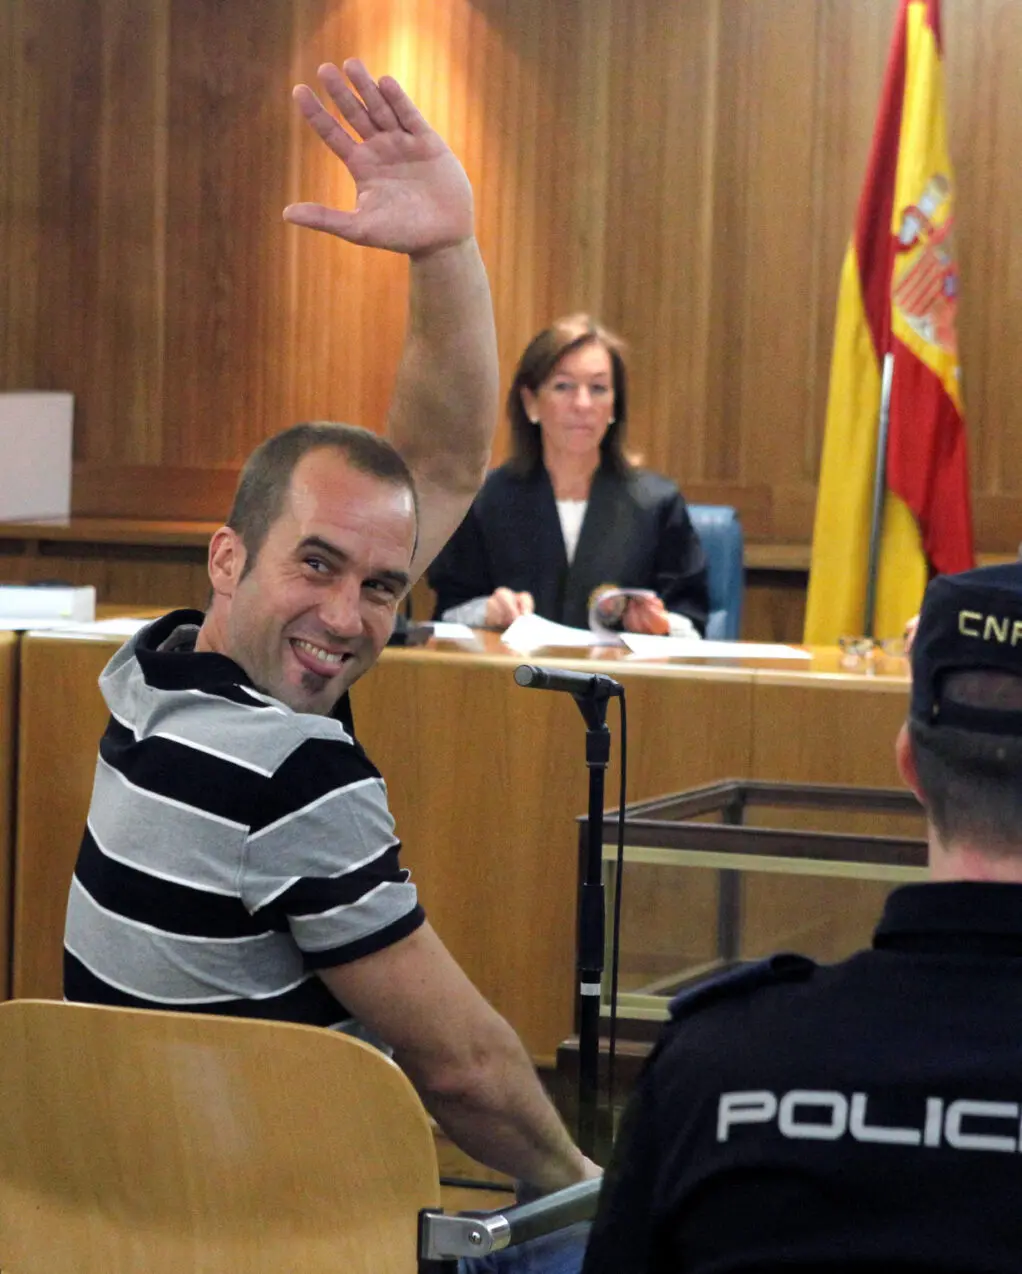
<point x="136" y="1142"/>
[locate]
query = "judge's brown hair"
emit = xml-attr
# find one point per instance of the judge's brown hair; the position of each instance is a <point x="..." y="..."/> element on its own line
<point x="536" y="365"/>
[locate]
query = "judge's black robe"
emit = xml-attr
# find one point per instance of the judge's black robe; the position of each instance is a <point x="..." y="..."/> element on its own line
<point x="636" y="534"/>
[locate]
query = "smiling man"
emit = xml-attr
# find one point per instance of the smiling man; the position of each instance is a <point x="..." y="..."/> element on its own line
<point x="239" y="855"/>
<point x="312" y="563"/>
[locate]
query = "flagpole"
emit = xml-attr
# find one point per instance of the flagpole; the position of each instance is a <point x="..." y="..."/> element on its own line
<point x="879" y="488"/>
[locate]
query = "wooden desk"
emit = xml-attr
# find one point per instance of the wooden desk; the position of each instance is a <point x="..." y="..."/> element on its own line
<point x="8" y="731"/>
<point x="61" y="718"/>
<point x="485" y="780"/>
<point x="61" y="715"/>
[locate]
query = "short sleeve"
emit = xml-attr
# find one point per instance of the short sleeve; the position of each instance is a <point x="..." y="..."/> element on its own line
<point x="322" y="859"/>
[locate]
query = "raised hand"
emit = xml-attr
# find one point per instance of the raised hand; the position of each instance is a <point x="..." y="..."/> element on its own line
<point x="412" y="195"/>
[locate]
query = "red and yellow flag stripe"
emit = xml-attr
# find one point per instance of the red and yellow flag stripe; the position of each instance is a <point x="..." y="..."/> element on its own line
<point x="898" y="294"/>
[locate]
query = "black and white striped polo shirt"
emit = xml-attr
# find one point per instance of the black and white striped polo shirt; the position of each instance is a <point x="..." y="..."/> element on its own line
<point x="233" y="846"/>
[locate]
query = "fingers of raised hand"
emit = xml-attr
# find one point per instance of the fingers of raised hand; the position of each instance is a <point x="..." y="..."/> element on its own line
<point x="374" y="105"/>
<point x="526" y="604"/>
<point x="323" y="123"/>
<point x="407" y="113"/>
<point x="348" y="103"/>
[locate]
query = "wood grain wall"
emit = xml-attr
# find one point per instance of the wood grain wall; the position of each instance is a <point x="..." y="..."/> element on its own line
<point x="686" y="169"/>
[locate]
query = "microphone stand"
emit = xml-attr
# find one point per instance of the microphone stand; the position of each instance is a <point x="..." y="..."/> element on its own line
<point x="591" y="917"/>
<point x="591" y="691"/>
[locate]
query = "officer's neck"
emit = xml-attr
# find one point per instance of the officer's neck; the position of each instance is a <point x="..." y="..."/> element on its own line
<point x="969" y="862"/>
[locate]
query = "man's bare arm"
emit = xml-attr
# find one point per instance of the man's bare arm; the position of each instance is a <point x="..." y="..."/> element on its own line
<point x="412" y="196"/>
<point x="445" y="401"/>
<point x="468" y="1065"/>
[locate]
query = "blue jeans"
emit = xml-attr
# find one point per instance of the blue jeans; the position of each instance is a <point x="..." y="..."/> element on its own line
<point x="558" y="1253"/>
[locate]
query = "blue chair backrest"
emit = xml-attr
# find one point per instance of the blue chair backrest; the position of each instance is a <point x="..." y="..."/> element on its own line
<point x="720" y="531"/>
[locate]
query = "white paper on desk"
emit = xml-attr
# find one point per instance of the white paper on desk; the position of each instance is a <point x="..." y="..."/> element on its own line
<point x="446" y="631"/>
<point x="530" y="632"/>
<point x="648" y="647"/>
<point x="116" y="627"/>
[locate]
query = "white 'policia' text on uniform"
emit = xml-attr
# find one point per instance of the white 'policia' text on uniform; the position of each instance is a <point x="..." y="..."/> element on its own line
<point x="233" y="846"/>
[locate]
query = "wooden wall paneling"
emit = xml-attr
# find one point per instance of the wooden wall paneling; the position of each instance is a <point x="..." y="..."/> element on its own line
<point x="128" y="575"/>
<point x="672" y="289"/>
<point x="661" y="67"/>
<point x="688" y="170"/>
<point x="347" y="304"/>
<point x="509" y="105"/>
<point x="21" y="121"/>
<point x="984" y="82"/>
<point x="122" y="354"/>
<point x="153" y="491"/>
<point x="577" y="241"/>
<point x="774" y="606"/>
<point x="63" y="53"/>
<point x="771" y="306"/>
<point x="544" y="109"/>
<point x="8" y="769"/>
<point x="229" y="119"/>
<point x="725" y="195"/>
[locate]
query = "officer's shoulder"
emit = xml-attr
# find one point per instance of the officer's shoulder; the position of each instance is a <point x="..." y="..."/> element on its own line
<point x="741" y="981"/>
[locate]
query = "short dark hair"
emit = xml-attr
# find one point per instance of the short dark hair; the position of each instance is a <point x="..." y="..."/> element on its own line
<point x="971" y="780"/>
<point x="541" y="356"/>
<point x="266" y="477"/>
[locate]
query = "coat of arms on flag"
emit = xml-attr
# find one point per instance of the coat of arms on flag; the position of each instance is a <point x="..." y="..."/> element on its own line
<point x="925" y="283"/>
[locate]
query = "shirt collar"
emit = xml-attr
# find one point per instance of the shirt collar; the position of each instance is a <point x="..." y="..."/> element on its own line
<point x="953" y="917"/>
<point x="169" y="661"/>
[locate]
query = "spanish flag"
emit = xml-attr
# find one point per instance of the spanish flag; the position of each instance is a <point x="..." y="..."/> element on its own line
<point x="898" y="295"/>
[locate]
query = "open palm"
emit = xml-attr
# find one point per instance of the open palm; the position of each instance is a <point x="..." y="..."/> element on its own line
<point x="412" y="195"/>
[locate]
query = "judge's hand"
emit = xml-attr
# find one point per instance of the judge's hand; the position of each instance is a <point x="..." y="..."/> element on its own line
<point x="503" y="607"/>
<point x="411" y="193"/>
<point x="646" y="615"/>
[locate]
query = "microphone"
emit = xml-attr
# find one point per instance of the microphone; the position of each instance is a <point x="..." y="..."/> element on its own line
<point x="573" y="683"/>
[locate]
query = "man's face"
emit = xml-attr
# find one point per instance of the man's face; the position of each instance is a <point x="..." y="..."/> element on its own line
<point x="318" y="606"/>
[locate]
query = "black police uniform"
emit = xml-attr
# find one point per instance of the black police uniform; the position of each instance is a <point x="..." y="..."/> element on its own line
<point x="859" y="1116"/>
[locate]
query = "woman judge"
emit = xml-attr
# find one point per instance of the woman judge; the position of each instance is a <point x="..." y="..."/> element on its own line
<point x="569" y="514"/>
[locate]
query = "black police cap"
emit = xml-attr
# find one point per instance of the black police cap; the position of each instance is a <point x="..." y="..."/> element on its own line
<point x="969" y="621"/>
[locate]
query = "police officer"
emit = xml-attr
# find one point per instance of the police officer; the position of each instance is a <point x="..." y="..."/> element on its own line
<point x="864" y="1115"/>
